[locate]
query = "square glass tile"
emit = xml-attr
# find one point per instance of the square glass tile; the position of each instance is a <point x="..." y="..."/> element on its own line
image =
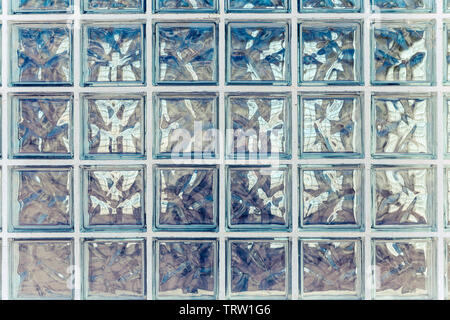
<point x="257" y="6"/>
<point x="329" y="6"/>
<point x="113" y="6"/>
<point x="185" y="6"/>
<point x="41" y="6"/>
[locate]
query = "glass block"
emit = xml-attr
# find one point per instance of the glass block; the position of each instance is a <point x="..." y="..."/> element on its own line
<point x="331" y="125"/>
<point x="404" y="268"/>
<point x="331" y="268"/>
<point x="258" y="268"/>
<point x="185" y="268"/>
<point x="447" y="268"/>
<point x="113" y="6"/>
<point x="41" y="54"/>
<point x="41" y="125"/>
<point x="403" y="196"/>
<point x="186" y="125"/>
<point x="186" y="198"/>
<point x="41" y="6"/>
<point x="330" y="52"/>
<point x="113" y="126"/>
<point x="114" y="269"/>
<point x="446" y="37"/>
<point x="446" y="133"/>
<point x="113" y="54"/>
<point x="257" y="6"/>
<point x="185" y="6"/>
<point x="41" y="198"/>
<point x="41" y="269"/>
<point x="403" y="125"/>
<point x="446" y="6"/>
<point x="258" y="198"/>
<point x="258" y="53"/>
<point x="113" y="197"/>
<point x="446" y="186"/>
<point x="331" y="196"/>
<point x="402" y="52"/>
<point x="403" y="6"/>
<point x="329" y="6"/>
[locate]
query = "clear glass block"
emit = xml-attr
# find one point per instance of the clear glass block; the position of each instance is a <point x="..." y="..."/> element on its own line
<point x="185" y="6"/>
<point x="41" y="269"/>
<point x="186" y="125"/>
<point x="258" y="268"/>
<point x="330" y="6"/>
<point x="112" y="6"/>
<point x="447" y="268"/>
<point x="402" y="6"/>
<point x="41" y="125"/>
<point x="113" y="197"/>
<point x="113" y="126"/>
<point x="113" y="54"/>
<point x="446" y="186"/>
<point x="186" y="198"/>
<point x="41" y="54"/>
<point x="446" y="6"/>
<point x="114" y="268"/>
<point x="40" y="6"/>
<point x="331" y="196"/>
<point x="402" y="52"/>
<point x="331" y="125"/>
<point x="258" y="198"/>
<point x="446" y="36"/>
<point x="403" y="197"/>
<point x="185" y="268"/>
<point x="446" y="133"/>
<point x="257" y="6"/>
<point x="330" y="52"/>
<point x="41" y="198"/>
<point x="404" y="268"/>
<point x="331" y="268"/>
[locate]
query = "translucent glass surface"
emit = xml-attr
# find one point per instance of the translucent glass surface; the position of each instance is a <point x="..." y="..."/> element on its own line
<point x="403" y="6"/>
<point x="41" y="6"/>
<point x="257" y="6"/>
<point x="185" y="6"/>
<point x="329" y="6"/>
<point x="113" y="6"/>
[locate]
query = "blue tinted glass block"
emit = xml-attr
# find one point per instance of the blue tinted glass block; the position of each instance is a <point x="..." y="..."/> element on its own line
<point x="41" y="54"/>
<point x="406" y="6"/>
<point x="185" y="268"/>
<point x="329" y="6"/>
<point x="41" y="6"/>
<point x="114" y="269"/>
<point x="113" y="197"/>
<point x="185" y="6"/>
<point x="258" y="268"/>
<point x="186" y="198"/>
<point x="185" y="53"/>
<point x="41" y="198"/>
<point x="258" y="53"/>
<point x="186" y="125"/>
<point x="113" y="6"/>
<point x="41" y="125"/>
<point x="257" y="6"/>
<point x="258" y="125"/>
<point x="41" y="269"/>
<point x="113" y="126"/>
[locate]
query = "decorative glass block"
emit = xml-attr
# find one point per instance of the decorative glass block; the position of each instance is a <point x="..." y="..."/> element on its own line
<point x="403" y="125"/>
<point x="114" y="269"/>
<point x="41" y="198"/>
<point x="41" y="125"/>
<point x="329" y="6"/>
<point x="113" y="126"/>
<point x="113" y="6"/>
<point x="258" y="198"/>
<point x="185" y="53"/>
<point x="41" y="6"/>
<point x="185" y="6"/>
<point x="113" y="197"/>
<point x="257" y="6"/>
<point x="258" y="268"/>
<point x="41" y="269"/>
<point x="41" y="54"/>
<point x="402" y="52"/>
<point x="404" y="268"/>
<point x="186" y="198"/>
<point x="331" y="268"/>
<point x="185" y="268"/>
<point x="331" y="196"/>
<point x="403" y="196"/>
<point x="113" y="54"/>
<point x="330" y="52"/>
<point x="402" y="6"/>
<point x="186" y="125"/>
<point x="331" y="125"/>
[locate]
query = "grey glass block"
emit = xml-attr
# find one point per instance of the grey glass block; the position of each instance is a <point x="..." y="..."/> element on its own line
<point x="331" y="125"/>
<point x="329" y="6"/>
<point x="403" y="125"/>
<point x="186" y="198"/>
<point x="258" y="268"/>
<point x="403" y="197"/>
<point x="402" y="6"/>
<point x="113" y="54"/>
<point x="185" y="53"/>
<point x="402" y="52"/>
<point x="114" y="268"/>
<point x="113" y="197"/>
<point x="186" y="125"/>
<point x="40" y="198"/>
<point x="185" y="268"/>
<point x="40" y="6"/>
<point x="112" y="6"/>
<point x="41" y="269"/>
<point x="41" y="125"/>
<point x="330" y="52"/>
<point x="257" y="6"/>
<point x="258" y="53"/>
<point x="331" y="197"/>
<point x="404" y="268"/>
<point x="41" y="54"/>
<point x="113" y="126"/>
<point x="185" y="6"/>
<point x="331" y="268"/>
